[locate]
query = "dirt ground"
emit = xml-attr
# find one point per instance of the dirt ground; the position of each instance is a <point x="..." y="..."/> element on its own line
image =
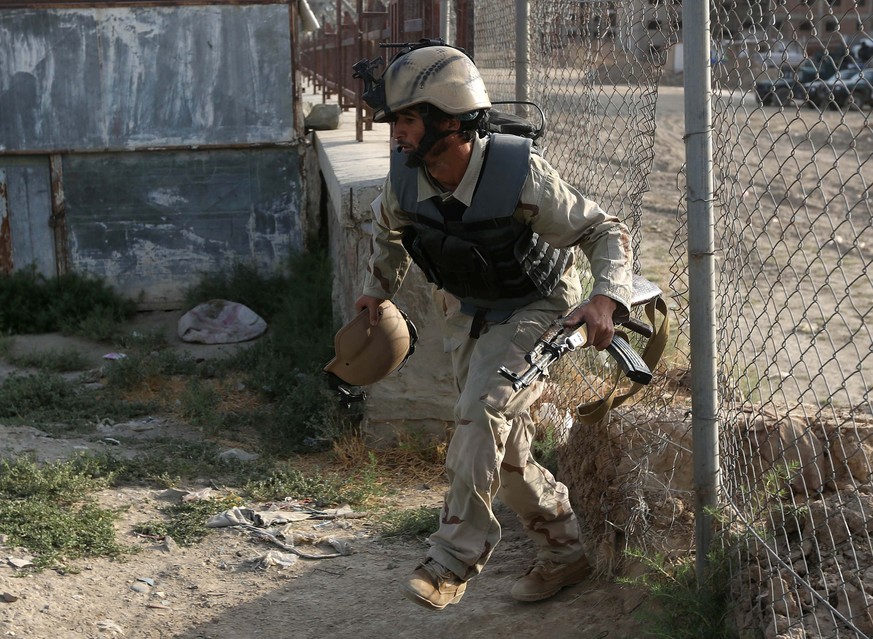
<point x="216" y="590"/>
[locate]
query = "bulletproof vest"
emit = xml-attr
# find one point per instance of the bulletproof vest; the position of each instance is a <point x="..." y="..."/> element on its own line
<point x="481" y="254"/>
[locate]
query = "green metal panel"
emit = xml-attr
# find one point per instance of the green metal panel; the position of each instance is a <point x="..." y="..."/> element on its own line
<point x="152" y="222"/>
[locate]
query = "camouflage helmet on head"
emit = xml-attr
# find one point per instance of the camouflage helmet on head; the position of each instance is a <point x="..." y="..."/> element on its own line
<point x="429" y="72"/>
<point x="439" y="81"/>
<point x="439" y="75"/>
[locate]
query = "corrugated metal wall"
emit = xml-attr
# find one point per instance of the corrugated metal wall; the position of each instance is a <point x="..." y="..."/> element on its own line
<point x="147" y="144"/>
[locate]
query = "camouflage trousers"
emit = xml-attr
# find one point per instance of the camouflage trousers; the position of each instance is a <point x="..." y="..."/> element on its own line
<point x="490" y="451"/>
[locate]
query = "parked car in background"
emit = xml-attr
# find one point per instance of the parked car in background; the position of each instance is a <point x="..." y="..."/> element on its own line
<point x="791" y="84"/>
<point x="776" y="88"/>
<point x="819" y="92"/>
<point x="777" y="54"/>
<point x="856" y="91"/>
<point x="811" y="82"/>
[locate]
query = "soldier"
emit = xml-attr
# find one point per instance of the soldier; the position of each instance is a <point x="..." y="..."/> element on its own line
<point x="494" y="226"/>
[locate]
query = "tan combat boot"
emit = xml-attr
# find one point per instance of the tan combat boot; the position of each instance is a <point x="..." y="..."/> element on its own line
<point x="545" y="578"/>
<point x="433" y="586"/>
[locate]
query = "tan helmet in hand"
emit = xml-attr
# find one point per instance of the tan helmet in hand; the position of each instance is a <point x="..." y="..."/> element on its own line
<point x="365" y="354"/>
<point x="443" y="76"/>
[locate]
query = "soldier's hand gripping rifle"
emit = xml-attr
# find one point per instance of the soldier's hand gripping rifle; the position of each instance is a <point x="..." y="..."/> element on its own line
<point x="557" y="340"/>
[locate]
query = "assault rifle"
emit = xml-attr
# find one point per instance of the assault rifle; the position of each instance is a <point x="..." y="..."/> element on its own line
<point x="557" y="340"/>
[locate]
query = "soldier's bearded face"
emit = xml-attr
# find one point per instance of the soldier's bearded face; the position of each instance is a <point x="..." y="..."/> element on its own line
<point x="408" y="130"/>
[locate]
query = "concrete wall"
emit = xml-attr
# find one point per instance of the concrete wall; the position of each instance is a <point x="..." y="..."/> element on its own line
<point x="420" y="397"/>
<point x="151" y="222"/>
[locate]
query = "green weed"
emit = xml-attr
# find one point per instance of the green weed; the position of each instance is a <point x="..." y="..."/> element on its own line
<point x="186" y="522"/>
<point x="409" y="524"/>
<point x="545" y="447"/>
<point x="684" y="607"/>
<point x="679" y="606"/>
<point x="62" y="482"/>
<point x="245" y="284"/>
<point x="199" y="404"/>
<point x="142" y="367"/>
<point x="167" y="462"/>
<point x="305" y="419"/>
<point x="60" y="360"/>
<point x="48" y="509"/>
<point x="100" y="325"/>
<point x="58" y="405"/>
<point x="770" y="494"/>
<point x="285" y="365"/>
<point x="141" y="341"/>
<point x="323" y="490"/>
<point x="33" y="303"/>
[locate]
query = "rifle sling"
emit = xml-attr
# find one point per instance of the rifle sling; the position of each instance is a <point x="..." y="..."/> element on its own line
<point x="593" y="412"/>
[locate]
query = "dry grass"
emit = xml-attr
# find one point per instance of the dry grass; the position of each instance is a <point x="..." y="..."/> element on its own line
<point x="166" y="393"/>
<point x="409" y="463"/>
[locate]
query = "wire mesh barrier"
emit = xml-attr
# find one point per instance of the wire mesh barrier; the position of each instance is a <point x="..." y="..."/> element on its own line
<point x="792" y="91"/>
<point x="793" y="234"/>
<point x="794" y="295"/>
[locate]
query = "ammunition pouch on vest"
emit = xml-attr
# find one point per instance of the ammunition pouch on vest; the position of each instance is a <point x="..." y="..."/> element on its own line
<point x="483" y="274"/>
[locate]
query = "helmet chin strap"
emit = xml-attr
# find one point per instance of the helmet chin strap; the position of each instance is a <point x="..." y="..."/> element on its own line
<point x="431" y="136"/>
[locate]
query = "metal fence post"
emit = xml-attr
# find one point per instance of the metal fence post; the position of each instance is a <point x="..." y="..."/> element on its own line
<point x="701" y="273"/>
<point x="522" y="49"/>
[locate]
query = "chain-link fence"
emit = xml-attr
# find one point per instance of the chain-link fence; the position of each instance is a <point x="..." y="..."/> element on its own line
<point x="795" y="238"/>
<point x="791" y="142"/>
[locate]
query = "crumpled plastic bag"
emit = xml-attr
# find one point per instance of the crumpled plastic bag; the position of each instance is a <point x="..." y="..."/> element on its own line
<point x="234" y="517"/>
<point x="220" y="322"/>
<point x="277" y="558"/>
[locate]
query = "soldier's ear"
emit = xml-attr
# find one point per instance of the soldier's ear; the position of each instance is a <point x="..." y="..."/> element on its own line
<point x="451" y="124"/>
